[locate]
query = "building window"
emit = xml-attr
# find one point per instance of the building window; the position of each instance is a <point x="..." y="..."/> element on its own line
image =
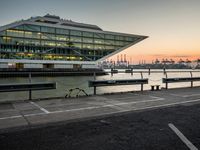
<point x="62" y="31"/>
<point x="109" y="47"/>
<point x="31" y="42"/>
<point x="62" y="38"/>
<point x="109" y="42"/>
<point x="32" y="35"/>
<point x="48" y="43"/>
<point x="75" y="39"/>
<point x="15" y="33"/>
<point x="118" y="37"/>
<point x="88" y="46"/>
<point x="99" y="41"/>
<point x="77" y="45"/>
<point x="48" y="36"/>
<point x="47" y="29"/>
<point x="87" y="40"/>
<point x="99" y="47"/>
<point x="120" y="43"/>
<point x="88" y="34"/>
<point x="61" y="44"/>
<point x="109" y="36"/>
<point x="99" y="35"/>
<point x="74" y="32"/>
<point x="129" y="38"/>
<point x="32" y="28"/>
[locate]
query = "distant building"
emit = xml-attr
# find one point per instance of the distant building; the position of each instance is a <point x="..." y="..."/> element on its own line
<point x="52" y="42"/>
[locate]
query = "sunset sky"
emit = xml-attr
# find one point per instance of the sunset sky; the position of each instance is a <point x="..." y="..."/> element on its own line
<point x="173" y="26"/>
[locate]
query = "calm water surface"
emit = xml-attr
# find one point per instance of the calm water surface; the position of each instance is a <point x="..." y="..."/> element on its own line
<point x="66" y="83"/>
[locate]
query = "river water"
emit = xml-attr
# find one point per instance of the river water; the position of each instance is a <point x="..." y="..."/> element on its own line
<point x="64" y="84"/>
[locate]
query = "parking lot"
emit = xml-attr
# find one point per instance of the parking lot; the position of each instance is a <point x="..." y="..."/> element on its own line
<point x="167" y="119"/>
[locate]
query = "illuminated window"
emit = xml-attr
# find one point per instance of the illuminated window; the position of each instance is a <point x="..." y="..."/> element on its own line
<point x="15" y="33"/>
<point x="75" y="39"/>
<point x="88" y="46"/>
<point x="48" y="43"/>
<point x="48" y="36"/>
<point x="99" y="41"/>
<point x="99" y="47"/>
<point x="32" y="35"/>
<point x="62" y="38"/>
<point x="87" y="40"/>
<point x="61" y="44"/>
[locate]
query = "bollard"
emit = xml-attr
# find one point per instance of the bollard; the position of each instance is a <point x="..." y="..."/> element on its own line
<point x="164" y="70"/>
<point x="111" y="72"/>
<point x="94" y="75"/>
<point x="149" y="71"/>
<point x="30" y="92"/>
<point x="142" y="86"/>
<point x="131" y="71"/>
<point x="166" y="84"/>
<point x="95" y="90"/>
<point x="191" y="77"/>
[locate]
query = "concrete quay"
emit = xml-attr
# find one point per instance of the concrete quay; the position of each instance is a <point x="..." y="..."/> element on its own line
<point x="167" y="119"/>
<point x="42" y="112"/>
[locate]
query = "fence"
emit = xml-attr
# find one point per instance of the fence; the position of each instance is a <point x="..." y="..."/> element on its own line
<point x="65" y="83"/>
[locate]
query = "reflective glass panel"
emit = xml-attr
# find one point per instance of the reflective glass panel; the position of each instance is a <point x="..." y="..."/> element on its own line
<point x="109" y="36"/>
<point x="47" y="29"/>
<point x="99" y="35"/>
<point x="88" y="46"/>
<point x="88" y="34"/>
<point x="62" y="31"/>
<point x="87" y="40"/>
<point x="35" y="35"/>
<point x="15" y="33"/>
<point x="48" y="36"/>
<point x="99" y="47"/>
<point x="99" y="41"/>
<point x="74" y="32"/>
<point x="75" y="39"/>
<point x="62" y="37"/>
<point x="32" y="28"/>
<point x="109" y="42"/>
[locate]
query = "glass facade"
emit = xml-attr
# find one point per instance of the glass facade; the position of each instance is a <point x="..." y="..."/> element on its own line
<point x="48" y="43"/>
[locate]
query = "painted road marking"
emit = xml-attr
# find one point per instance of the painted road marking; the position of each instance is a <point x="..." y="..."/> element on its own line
<point x="191" y="95"/>
<point x="182" y="137"/>
<point x="176" y="95"/>
<point x="11" y="117"/>
<point x="110" y="105"/>
<point x="41" y="108"/>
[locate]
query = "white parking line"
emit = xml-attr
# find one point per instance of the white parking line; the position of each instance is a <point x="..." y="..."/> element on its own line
<point x="41" y="108"/>
<point x="182" y="137"/>
<point x="191" y="95"/>
<point x="11" y="117"/>
<point x="103" y="106"/>
<point x="176" y="95"/>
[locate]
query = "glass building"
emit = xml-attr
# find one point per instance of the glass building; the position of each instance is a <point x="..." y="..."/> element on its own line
<point x="52" y="42"/>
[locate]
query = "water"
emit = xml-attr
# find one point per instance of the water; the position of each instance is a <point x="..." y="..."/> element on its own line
<point x="66" y="83"/>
